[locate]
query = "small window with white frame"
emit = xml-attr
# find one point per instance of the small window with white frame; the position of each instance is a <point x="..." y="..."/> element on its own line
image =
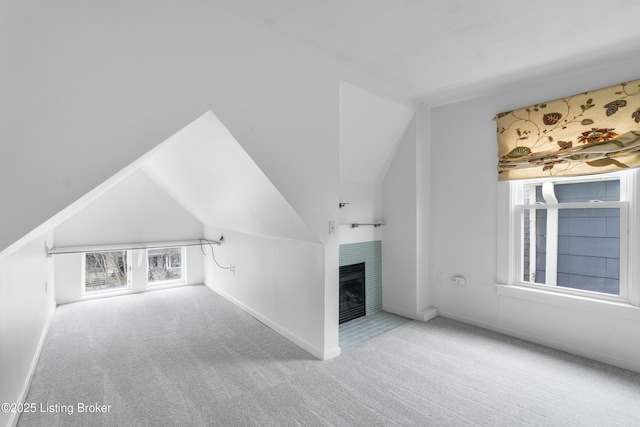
<point x="165" y="266"/>
<point x="106" y="272"/>
<point x="570" y="235"/>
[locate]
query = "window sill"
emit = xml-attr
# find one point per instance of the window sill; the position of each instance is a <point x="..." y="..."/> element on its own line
<point x="102" y="294"/>
<point x="166" y="283"/>
<point x="609" y="308"/>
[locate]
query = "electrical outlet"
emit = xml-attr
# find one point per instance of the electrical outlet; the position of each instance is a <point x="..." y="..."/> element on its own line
<point x="459" y="280"/>
<point x="232" y="268"/>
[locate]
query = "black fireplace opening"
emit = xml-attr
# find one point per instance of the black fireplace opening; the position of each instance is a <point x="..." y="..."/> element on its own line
<point x="352" y="292"/>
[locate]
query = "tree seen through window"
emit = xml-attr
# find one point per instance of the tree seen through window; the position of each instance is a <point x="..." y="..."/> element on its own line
<point x="164" y="264"/>
<point x="106" y="270"/>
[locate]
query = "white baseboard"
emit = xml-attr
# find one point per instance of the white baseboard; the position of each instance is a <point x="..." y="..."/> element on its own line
<point x="422" y="315"/>
<point x="428" y="314"/>
<point x="631" y="365"/>
<point x="34" y="364"/>
<point x="322" y="355"/>
<point x="330" y="354"/>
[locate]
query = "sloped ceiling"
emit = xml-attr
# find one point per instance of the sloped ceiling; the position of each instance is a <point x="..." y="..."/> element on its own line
<point x="422" y="51"/>
<point x="202" y="176"/>
<point x="370" y="128"/>
<point x="199" y="177"/>
<point x="206" y="170"/>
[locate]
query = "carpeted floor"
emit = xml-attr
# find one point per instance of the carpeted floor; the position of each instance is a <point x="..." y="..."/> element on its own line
<point x="186" y="356"/>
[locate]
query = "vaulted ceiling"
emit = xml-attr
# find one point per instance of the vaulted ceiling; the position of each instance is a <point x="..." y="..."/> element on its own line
<point x="438" y="52"/>
<point x="441" y="51"/>
<point x="370" y="128"/>
<point x="411" y="52"/>
<point x="200" y="176"/>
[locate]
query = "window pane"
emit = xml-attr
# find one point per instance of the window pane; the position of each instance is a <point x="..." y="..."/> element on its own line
<point x="576" y="192"/>
<point x="588" y="249"/>
<point x="164" y="264"/>
<point x="105" y="271"/>
<point x="534" y="244"/>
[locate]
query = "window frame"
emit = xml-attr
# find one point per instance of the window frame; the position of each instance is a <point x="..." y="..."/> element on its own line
<point x="181" y="280"/>
<point x="510" y="240"/>
<point x="128" y="288"/>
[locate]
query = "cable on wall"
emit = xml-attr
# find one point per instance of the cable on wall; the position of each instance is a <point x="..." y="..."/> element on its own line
<point x="213" y="255"/>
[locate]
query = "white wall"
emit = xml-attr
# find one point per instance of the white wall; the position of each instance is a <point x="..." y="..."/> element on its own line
<point x="406" y="190"/>
<point x="26" y="307"/>
<point x="399" y="249"/>
<point x="423" y="213"/>
<point x="364" y="206"/>
<point x="371" y="127"/>
<point x="206" y="170"/>
<point x="278" y="281"/>
<point x="464" y="226"/>
<point x="135" y="210"/>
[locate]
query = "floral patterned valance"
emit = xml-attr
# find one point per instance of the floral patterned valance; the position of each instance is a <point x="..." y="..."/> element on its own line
<point x="589" y="133"/>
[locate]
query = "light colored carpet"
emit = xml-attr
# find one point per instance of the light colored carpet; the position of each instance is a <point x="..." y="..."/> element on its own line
<point x="186" y="356"/>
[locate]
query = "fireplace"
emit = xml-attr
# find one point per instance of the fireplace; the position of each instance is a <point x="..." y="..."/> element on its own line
<point x="352" y="292"/>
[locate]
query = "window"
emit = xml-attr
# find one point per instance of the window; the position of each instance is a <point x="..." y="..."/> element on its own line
<point x="571" y="234"/>
<point x="164" y="265"/>
<point x="575" y="235"/>
<point x="106" y="271"/>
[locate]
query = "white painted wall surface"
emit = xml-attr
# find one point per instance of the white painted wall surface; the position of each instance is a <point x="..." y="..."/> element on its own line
<point x="463" y="214"/>
<point x="278" y="281"/>
<point x="135" y="210"/>
<point x="464" y="226"/>
<point x="230" y="192"/>
<point x="423" y="212"/>
<point x="26" y="309"/>
<point x="371" y="128"/>
<point x="399" y="248"/>
<point x="364" y="206"/>
<point x="68" y="277"/>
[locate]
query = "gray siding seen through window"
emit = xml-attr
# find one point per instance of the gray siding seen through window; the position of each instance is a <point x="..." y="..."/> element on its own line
<point x="588" y="239"/>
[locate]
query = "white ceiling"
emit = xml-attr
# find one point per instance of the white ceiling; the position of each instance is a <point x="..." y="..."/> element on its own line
<point x="441" y="51"/>
<point x="438" y="52"/>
